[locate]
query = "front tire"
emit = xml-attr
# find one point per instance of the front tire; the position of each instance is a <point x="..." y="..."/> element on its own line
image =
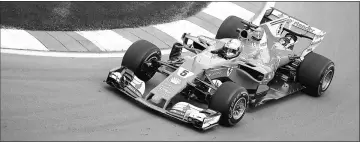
<point x="139" y="53"/>
<point x="316" y="73"/>
<point x="231" y="101"/>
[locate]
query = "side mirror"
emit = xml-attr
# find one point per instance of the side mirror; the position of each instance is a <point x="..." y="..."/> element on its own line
<point x="183" y="36"/>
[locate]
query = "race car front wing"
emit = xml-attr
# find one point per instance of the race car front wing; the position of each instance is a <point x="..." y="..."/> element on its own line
<point x="124" y="80"/>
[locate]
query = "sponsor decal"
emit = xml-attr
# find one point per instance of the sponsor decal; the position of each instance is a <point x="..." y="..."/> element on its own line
<point x="279" y="21"/>
<point x="302" y="26"/>
<point x="164" y="90"/>
<point x="182" y="72"/>
<point x="175" y="80"/>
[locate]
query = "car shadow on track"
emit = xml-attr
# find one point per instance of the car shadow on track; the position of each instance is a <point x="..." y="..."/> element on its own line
<point x="273" y="103"/>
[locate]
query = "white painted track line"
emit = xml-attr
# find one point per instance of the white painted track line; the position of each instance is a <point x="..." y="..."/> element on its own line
<point x="106" y="40"/>
<point x="178" y="28"/>
<point x="20" y="39"/>
<point x="222" y="10"/>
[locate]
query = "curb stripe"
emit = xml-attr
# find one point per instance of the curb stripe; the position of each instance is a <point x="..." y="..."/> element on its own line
<point x="203" y="24"/>
<point x="48" y="41"/>
<point x="70" y="43"/>
<point x="168" y="40"/>
<point x="146" y="36"/>
<point x="106" y="40"/>
<point x="20" y="39"/>
<point x="126" y="34"/>
<point x="222" y="10"/>
<point x="209" y="19"/>
<point x="84" y="42"/>
<point x="178" y="28"/>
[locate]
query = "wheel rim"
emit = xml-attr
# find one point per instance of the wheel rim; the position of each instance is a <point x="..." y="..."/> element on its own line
<point x="239" y="108"/>
<point x="148" y="68"/>
<point x="327" y="80"/>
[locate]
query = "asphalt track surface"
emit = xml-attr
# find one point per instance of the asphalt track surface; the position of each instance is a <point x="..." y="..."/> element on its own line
<point x="45" y="98"/>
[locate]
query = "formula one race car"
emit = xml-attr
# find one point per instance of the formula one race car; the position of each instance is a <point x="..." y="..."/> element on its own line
<point x="219" y="83"/>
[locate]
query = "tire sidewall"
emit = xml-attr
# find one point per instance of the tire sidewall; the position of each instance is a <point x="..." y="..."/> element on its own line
<point x="235" y="98"/>
<point x="311" y="73"/>
<point x="228" y="27"/>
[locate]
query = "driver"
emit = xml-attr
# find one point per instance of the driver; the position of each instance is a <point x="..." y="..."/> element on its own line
<point x="288" y="41"/>
<point x="230" y="50"/>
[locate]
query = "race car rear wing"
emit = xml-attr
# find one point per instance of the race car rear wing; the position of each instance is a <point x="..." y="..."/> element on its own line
<point x="295" y="26"/>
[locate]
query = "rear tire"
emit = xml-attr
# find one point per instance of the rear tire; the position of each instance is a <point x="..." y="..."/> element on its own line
<point x="231" y="101"/>
<point x="316" y="73"/>
<point x="228" y="28"/>
<point x="137" y="54"/>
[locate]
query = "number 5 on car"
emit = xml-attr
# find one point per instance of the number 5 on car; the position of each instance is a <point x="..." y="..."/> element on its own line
<point x="182" y="72"/>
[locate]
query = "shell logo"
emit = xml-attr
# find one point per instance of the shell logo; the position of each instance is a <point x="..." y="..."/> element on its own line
<point x="175" y="80"/>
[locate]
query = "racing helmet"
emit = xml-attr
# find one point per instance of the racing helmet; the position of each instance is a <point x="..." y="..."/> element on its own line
<point x="232" y="49"/>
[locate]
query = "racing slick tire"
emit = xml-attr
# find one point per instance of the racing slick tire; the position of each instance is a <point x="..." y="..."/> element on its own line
<point x="231" y="101"/>
<point x="228" y="28"/>
<point x="137" y="54"/>
<point x="316" y="73"/>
